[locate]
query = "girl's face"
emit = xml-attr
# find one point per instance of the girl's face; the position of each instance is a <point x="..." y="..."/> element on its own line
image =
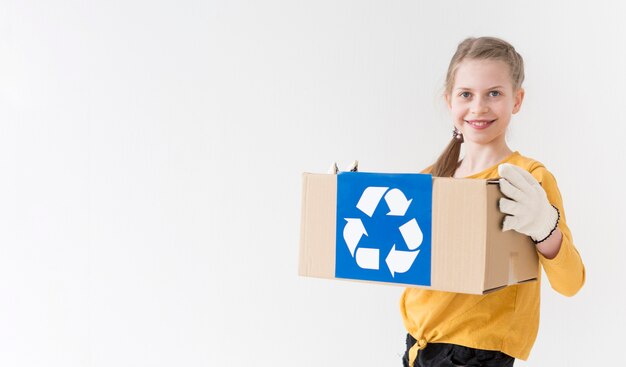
<point x="482" y="100"/>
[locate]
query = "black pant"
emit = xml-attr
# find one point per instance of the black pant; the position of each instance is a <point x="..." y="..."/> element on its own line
<point x="450" y="355"/>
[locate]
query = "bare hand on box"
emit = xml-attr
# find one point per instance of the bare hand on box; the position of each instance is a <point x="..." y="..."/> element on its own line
<point x="352" y="168"/>
<point x="529" y="211"/>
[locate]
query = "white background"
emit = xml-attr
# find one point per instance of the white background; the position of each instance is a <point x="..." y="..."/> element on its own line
<point x="151" y="153"/>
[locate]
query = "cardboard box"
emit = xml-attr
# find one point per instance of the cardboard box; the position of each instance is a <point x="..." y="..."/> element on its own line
<point x="411" y="230"/>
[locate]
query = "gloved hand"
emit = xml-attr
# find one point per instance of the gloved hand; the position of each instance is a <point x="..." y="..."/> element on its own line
<point x="353" y="168"/>
<point x="529" y="211"/>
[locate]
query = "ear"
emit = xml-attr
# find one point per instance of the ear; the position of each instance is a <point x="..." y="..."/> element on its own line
<point x="448" y="101"/>
<point x="519" y="98"/>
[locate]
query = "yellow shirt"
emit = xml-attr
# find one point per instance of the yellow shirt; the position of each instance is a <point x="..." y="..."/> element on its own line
<point x="508" y="319"/>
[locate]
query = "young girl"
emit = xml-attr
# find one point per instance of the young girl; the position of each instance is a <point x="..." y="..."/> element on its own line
<point x="483" y="90"/>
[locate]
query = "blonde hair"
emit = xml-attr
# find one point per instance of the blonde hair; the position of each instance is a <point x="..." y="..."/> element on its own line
<point x="482" y="48"/>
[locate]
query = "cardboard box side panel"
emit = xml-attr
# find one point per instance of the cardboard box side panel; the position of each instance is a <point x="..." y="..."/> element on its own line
<point x="499" y="256"/>
<point x="458" y="235"/>
<point x="318" y="223"/>
<point x="511" y="256"/>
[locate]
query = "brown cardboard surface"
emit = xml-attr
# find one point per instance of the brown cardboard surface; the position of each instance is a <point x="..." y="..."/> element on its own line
<point x="470" y="253"/>
<point x="318" y="223"/>
<point x="458" y="235"/>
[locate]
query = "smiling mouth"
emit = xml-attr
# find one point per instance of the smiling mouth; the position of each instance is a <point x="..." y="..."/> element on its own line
<point x="479" y="123"/>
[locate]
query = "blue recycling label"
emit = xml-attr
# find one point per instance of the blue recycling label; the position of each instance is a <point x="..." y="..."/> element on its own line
<point x="384" y="227"/>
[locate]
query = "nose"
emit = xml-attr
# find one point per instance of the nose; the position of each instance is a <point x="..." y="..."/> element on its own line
<point x="479" y="106"/>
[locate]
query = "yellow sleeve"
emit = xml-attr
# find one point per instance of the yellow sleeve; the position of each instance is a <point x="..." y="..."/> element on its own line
<point x="566" y="271"/>
<point x="428" y="169"/>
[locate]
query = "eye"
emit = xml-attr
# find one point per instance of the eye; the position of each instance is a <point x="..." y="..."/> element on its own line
<point x="464" y="94"/>
<point x="494" y="93"/>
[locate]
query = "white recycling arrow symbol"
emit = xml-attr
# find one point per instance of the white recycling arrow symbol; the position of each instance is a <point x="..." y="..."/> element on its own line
<point x="412" y="234"/>
<point x="368" y="258"/>
<point x="370" y="198"/>
<point x="352" y="233"/>
<point x="397" y="202"/>
<point x="400" y="261"/>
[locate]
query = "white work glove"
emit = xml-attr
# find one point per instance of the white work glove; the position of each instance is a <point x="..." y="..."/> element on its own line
<point x="353" y="168"/>
<point x="529" y="211"/>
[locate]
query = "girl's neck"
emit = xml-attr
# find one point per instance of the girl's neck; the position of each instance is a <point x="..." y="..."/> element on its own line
<point x="478" y="158"/>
